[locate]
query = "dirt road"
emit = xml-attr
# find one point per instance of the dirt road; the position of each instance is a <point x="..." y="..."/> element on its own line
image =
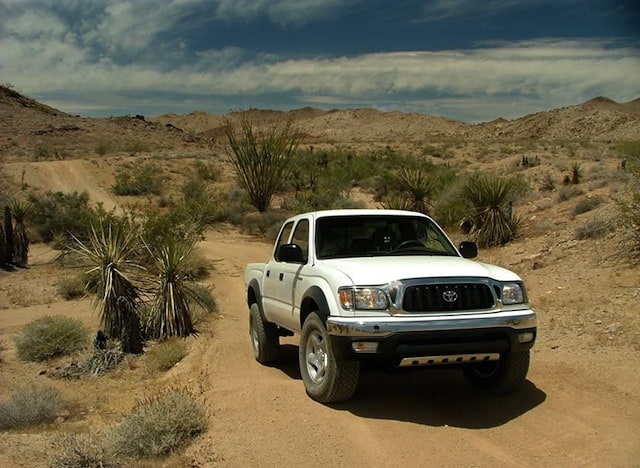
<point x="576" y="409"/>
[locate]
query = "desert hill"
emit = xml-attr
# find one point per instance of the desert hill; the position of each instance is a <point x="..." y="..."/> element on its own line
<point x="31" y="130"/>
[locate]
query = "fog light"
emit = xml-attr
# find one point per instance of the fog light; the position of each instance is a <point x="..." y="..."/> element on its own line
<point x="525" y="337"/>
<point x="365" y="346"/>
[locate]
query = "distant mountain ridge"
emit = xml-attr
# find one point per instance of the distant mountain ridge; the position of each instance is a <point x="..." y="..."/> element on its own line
<point x="26" y="123"/>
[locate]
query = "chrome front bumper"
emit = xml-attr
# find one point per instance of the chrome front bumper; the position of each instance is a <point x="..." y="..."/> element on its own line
<point x="380" y="327"/>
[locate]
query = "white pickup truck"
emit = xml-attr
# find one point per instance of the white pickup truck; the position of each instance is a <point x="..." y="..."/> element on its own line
<point x="386" y="288"/>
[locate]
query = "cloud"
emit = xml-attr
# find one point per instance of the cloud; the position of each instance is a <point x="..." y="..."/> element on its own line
<point x="114" y="63"/>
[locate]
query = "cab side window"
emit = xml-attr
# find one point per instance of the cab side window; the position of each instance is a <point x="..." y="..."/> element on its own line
<point x="283" y="238"/>
<point x="301" y="237"/>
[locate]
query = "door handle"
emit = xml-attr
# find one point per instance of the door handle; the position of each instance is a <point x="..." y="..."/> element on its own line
<point x="281" y="276"/>
<point x="268" y="273"/>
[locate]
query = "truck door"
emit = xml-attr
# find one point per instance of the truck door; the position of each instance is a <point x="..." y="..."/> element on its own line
<point x="273" y="309"/>
<point x="290" y="279"/>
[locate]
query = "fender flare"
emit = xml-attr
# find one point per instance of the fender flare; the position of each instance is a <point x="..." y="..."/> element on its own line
<point x="254" y="295"/>
<point x="316" y="296"/>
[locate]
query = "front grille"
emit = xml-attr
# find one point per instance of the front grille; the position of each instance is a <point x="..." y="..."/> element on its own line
<point x="447" y="297"/>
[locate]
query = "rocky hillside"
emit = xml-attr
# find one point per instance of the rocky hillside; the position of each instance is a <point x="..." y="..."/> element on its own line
<point x="30" y="130"/>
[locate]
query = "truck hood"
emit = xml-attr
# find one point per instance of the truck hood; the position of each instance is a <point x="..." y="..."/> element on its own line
<point x="382" y="270"/>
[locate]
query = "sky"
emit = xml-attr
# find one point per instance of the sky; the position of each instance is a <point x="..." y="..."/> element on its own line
<point x="468" y="60"/>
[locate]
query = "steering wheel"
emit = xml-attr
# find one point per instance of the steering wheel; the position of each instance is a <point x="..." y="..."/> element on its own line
<point x="409" y="243"/>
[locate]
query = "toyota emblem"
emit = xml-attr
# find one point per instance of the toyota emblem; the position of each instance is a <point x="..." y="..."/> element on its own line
<point x="450" y="295"/>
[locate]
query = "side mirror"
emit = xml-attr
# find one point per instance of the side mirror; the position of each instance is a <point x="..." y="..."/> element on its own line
<point x="290" y="253"/>
<point x="468" y="249"/>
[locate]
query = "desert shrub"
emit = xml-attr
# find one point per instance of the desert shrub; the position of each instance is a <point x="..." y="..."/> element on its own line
<point x="166" y="354"/>
<point x="104" y="147"/>
<point x="594" y="229"/>
<point x="137" y="146"/>
<point x="567" y="193"/>
<point x="80" y="451"/>
<point x="232" y="206"/>
<point x="261" y="224"/>
<point x="141" y="179"/>
<point x="30" y="406"/>
<point x="178" y="223"/>
<point x="49" y="337"/>
<point x="207" y="170"/>
<point x="587" y="204"/>
<point x="160" y="424"/>
<point x="57" y="214"/>
<point x="199" y="201"/>
<point x="72" y="287"/>
<point x="3" y="348"/>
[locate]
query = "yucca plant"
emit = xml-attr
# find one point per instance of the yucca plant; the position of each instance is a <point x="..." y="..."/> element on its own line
<point x="19" y="211"/>
<point x="576" y="173"/>
<point x="109" y="252"/>
<point x="396" y="202"/>
<point x="419" y="188"/>
<point x="490" y="201"/>
<point x="170" y="313"/>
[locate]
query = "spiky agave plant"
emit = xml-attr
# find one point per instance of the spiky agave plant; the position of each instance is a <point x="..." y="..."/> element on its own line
<point x="19" y="211"/>
<point x="110" y="252"/>
<point x="175" y="290"/>
<point x="489" y="198"/>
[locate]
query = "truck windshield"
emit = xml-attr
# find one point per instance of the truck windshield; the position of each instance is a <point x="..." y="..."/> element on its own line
<point x="379" y="235"/>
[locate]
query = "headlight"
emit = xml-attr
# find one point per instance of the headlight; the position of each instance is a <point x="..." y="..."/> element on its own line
<point x="363" y="299"/>
<point x="512" y="293"/>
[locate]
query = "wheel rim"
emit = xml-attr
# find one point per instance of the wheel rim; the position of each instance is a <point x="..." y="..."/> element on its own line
<point x="316" y="357"/>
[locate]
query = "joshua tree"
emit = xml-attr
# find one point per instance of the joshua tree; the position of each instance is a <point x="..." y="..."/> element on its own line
<point x="109" y="252"/>
<point x="261" y="159"/>
<point x="20" y="210"/>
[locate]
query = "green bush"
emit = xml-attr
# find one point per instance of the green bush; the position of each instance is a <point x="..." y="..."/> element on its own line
<point x="49" y="337"/>
<point x="57" y="214"/>
<point x="30" y="406"/>
<point x="166" y="354"/>
<point x="160" y="424"/>
<point x="141" y="179"/>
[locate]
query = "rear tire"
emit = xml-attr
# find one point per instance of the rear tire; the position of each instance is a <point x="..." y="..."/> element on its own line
<point x="500" y="377"/>
<point x="327" y="378"/>
<point x="265" y="340"/>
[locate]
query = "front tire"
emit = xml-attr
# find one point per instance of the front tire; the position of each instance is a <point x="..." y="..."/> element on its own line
<point x="327" y="378"/>
<point x="265" y="340"/>
<point x="500" y="377"/>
